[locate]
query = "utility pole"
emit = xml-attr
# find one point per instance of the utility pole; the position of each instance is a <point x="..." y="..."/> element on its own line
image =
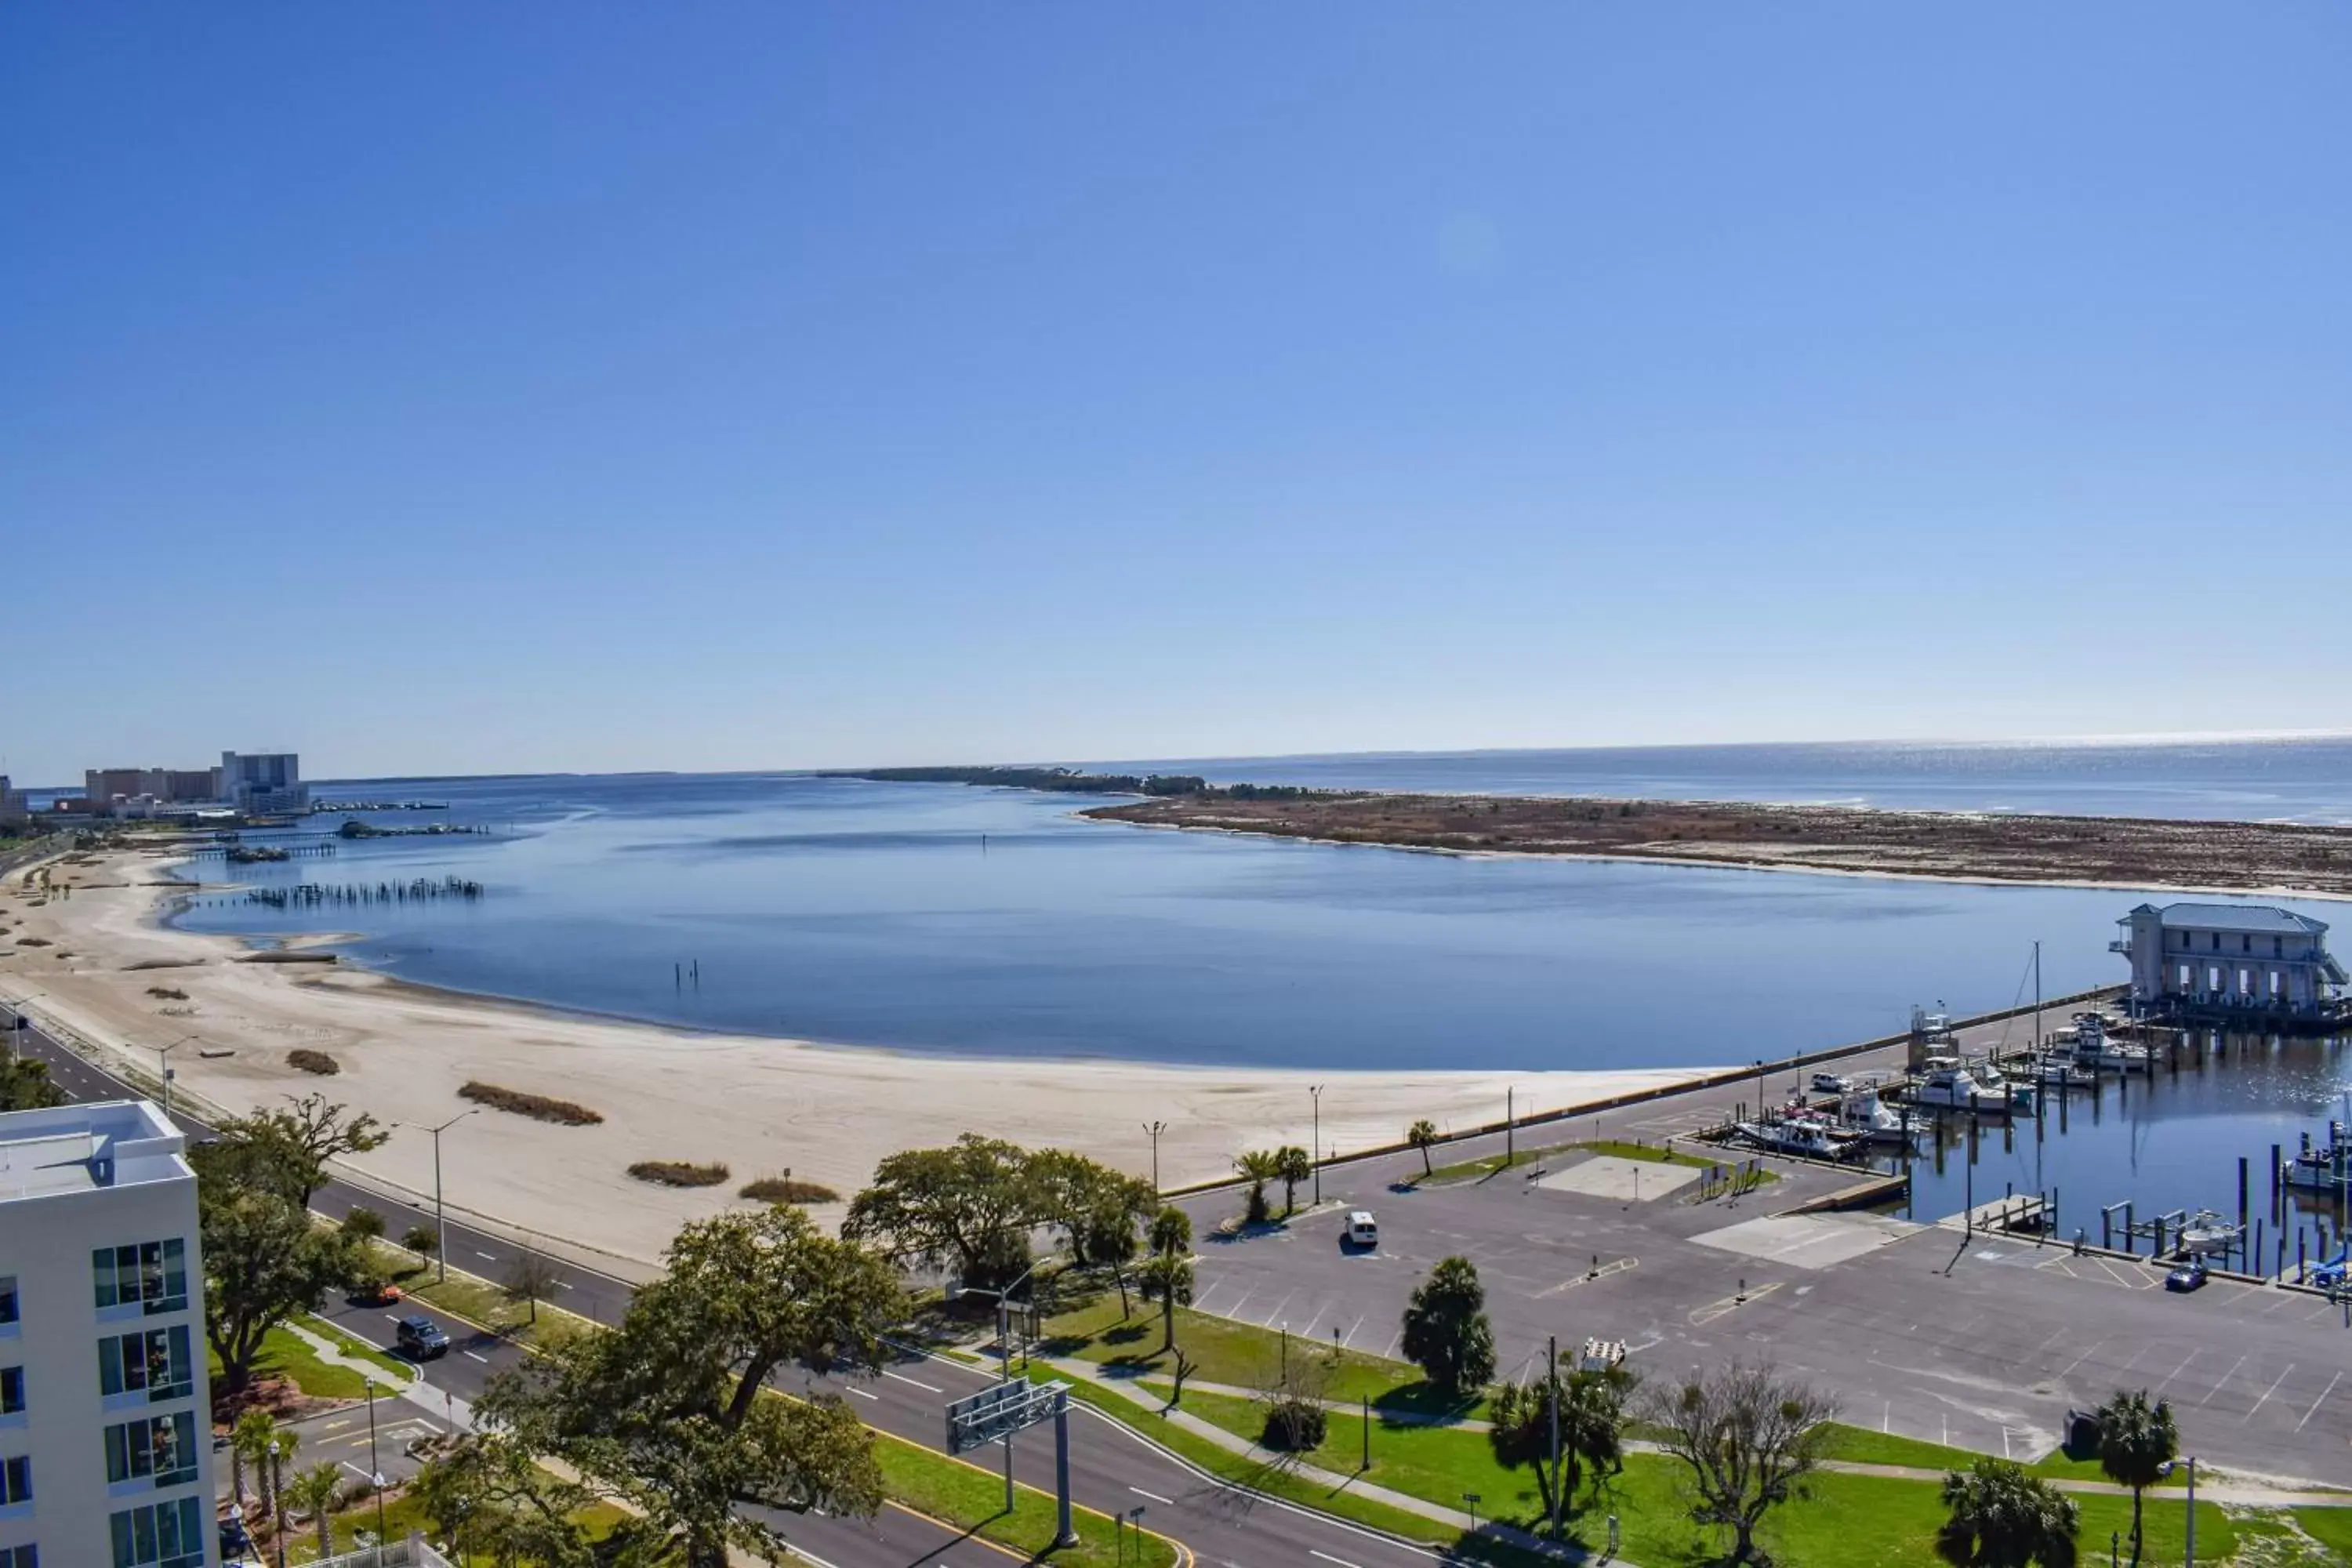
<point x="163" y="1069"/>
<point x="1153" y="1129"/>
<point x="1315" y="1092"/>
<point x="1552" y="1373"/>
<point x="375" y="1470"/>
<point x="1510" y="1125"/>
<point x="440" y="1214"/>
<point x="2191" y="1559"/>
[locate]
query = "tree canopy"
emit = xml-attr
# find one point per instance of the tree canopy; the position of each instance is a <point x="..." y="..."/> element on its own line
<point x="286" y="1151"/>
<point x="1591" y="1407"/>
<point x="2002" y="1517"/>
<point x="2137" y="1442"/>
<point x="667" y="1412"/>
<point x="1748" y="1436"/>
<point x="973" y="1205"/>
<point x="25" y="1085"/>
<point x="1446" y="1334"/>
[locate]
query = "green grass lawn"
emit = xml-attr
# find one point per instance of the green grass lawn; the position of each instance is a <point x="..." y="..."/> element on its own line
<point x="970" y="1498"/>
<point x="285" y="1355"/>
<point x="1474" y="1170"/>
<point x="1848" y="1522"/>
<point x="476" y="1300"/>
<point x="402" y="1515"/>
<point x="1227" y="1352"/>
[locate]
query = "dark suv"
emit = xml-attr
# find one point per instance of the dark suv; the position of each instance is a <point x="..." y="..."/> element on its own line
<point x="421" y="1339"/>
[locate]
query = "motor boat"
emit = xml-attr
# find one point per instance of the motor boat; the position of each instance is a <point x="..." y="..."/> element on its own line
<point x="1807" y="1138"/>
<point x="2205" y="1233"/>
<point x="1946" y="1085"/>
<point x="1864" y="1113"/>
<point x="2095" y="1051"/>
<point x="2325" y="1168"/>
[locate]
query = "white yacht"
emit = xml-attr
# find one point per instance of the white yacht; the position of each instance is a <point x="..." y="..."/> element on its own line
<point x="1862" y="1112"/>
<point x="1808" y="1138"/>
<point x="1946" y="1085"/>
<point x="2095" y="1051"/>
<point x="2207" y="1232"/>
<point x="2326" y="1168"/>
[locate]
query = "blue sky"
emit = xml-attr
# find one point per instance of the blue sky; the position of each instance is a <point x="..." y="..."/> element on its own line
<point x="481" y="388"/>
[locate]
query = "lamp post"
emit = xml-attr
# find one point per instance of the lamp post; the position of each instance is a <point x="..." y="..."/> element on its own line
<point x="440" y="1214"/>
<point x="1314" y="1093"/>
<point x="1004" y="1353"/>
<point x="16" y="1020"/>
<point x="375" y="1470"/>
<point x="163" y="1069"/>
<point x="2191" y="1559"/>
<point x="1153" y="1129"/>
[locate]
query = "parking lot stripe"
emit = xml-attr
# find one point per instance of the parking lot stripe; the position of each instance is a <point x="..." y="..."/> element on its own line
<point x="2225" y="1378"/>
<point x="2315" y="1404"/>
<point x="2273" y="1388"/>
<point x="1278" y="1306"/>
<point x="470" y="1355"/>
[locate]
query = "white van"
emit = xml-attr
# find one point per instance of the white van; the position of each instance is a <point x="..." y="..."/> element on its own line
<point x="1362" y="1230"/>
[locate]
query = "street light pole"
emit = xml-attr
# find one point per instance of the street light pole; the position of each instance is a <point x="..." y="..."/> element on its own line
<point x="375" y="1469"/>
<point x="1315" y="1092"/>
<point x="163" y="1069"/>
<point x="441" y="1215"/>
<point x="1154" y="1129"/>
<point x="2191" y="1558"/>
<point x="16" y="1021"/>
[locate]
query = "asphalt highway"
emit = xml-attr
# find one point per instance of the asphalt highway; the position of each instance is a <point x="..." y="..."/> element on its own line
<point x="1113" y="1470"/>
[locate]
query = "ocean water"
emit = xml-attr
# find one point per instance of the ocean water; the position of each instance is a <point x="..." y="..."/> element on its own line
<point x="2301" y="780"/>
<point x="953" y="918"/>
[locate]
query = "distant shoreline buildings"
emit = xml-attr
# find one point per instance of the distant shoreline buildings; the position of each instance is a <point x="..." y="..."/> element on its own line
<point x="245" y="785"/>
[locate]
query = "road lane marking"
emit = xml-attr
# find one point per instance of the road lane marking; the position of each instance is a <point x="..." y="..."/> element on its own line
<point x="1155" y="1496"/>
<point x="1327" y="1557"/>
<point x="2320" y="1401"/>
<point x="1351" y="1331"/>
<point x="470" y="1355"/>
<point x="863" y="1393"/>
<point x="356" y="1470"/>
<point x="2226" y="1377"/>
<point x="2176" y="1372"/>
<point x="2273" y="1388"/>
<point x="925" y="1387"/>
<point x="1278" y="1306"/>
<point x="491" y="1256"/>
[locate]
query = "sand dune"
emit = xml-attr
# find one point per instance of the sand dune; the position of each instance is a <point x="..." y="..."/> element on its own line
<point x="758" y="1104"/>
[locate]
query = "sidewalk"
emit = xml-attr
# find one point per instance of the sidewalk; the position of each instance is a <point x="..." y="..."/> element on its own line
<point x="1148" y="1401"/>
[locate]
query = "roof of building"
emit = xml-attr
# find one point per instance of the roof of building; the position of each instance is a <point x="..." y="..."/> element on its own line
<point x="76" y="1148"/>
<point x="2259" y="919"/>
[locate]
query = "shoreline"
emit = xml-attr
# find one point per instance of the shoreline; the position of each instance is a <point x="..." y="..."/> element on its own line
<point x="761" y="1104"/>
<point x="1990" y="849"/>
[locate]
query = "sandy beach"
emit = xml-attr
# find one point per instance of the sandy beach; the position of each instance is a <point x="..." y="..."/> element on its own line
<point x="758" y="1104"/>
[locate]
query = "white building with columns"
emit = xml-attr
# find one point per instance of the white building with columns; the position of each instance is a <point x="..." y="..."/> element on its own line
<point x="2224" y="957"/>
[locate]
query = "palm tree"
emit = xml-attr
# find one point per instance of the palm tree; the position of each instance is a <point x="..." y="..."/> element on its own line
<point x="250" y="1439"/>
<point x="1446" y="1333"/>
<point x="1167" y="1279"/>
<point x="2136" y="1444"/>
<point x="1295" y="1167"/>
<point x="1421" y="1135"/>
<point x="1258" y="1167"/>
<point x="282" y="1443"/>
<point x="2003" y="1518"/>
<point x="313" y="1492"/>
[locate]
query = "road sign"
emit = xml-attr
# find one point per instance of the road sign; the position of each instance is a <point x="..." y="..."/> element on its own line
<point x="1000" y="1410"/>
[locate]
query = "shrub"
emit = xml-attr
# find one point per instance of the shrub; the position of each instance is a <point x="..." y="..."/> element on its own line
<point x="679" y="1173"/>
<point x="538" y="1107"/>
<point x="308" y="1060"/>
<point x="32" y="940"/>
<point x="789" y="1190"/>
<point x="168" y="993"/>
<point x="422" y="1240"/>
<point x="1294" y="1426"/>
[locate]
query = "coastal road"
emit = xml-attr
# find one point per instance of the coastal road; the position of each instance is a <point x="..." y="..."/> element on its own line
<point x="1112" y="1469"/>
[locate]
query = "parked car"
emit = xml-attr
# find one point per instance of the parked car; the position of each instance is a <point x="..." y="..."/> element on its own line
<point x="2190" y="1276"/>
<point x="1362" y="1230"/>
<point x="421" y="1339"/>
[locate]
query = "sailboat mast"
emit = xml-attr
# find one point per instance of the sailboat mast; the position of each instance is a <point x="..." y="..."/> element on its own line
<point x="2037" y="1001"/>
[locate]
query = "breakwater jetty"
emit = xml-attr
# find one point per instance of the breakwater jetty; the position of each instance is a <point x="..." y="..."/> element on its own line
<point x="314" y="895"/>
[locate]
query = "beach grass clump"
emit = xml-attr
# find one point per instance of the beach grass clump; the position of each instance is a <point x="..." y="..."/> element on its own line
<point x="538" y="1107"/>
<point x="167" y="993"/>
<point x="679" y="1173"/>
<point x="788" y="1190"/>
<point x="33" y="941"/>
<point x="308" y="1060"/>
<point x="161" y="964"/>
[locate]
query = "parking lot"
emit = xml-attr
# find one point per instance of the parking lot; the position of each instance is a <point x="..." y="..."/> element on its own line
<point x="1984" y="1345"/>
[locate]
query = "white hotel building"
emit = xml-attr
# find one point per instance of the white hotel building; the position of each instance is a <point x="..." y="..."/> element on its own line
<point x="105" y="1410"/>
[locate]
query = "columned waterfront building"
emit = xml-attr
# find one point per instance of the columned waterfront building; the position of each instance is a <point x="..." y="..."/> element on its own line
<point x="105" y="1408"/>
<point x="2224" y="957"/>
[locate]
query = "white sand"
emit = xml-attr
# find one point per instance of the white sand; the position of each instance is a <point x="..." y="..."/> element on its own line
<point x="758" y="1104"/>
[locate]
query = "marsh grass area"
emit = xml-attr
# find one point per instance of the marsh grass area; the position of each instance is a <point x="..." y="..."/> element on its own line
<point x="538" y="1107"/>
<point x="2000" y="848"/>
<point x="1420" y="1445"/>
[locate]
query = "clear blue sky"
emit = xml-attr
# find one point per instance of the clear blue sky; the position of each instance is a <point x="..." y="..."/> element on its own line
<point x="501" y="387"/>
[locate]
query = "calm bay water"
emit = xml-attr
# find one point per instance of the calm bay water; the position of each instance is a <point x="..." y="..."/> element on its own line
<point x="945" y="918"/>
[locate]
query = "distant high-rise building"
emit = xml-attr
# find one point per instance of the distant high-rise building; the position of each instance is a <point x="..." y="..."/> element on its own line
<point x="105" y="1410"/>
<point x="263" y="782"/>
<point x="13" y="809"/>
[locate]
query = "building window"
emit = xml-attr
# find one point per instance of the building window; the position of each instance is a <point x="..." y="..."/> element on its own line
<point x="12" y="1396"/>
<point x="15" y="1480"/>
<point x="161" y="1535"/>
<point x="156" y="1361"/>
<point x="7" y="1297"/>
<point x="2245" y="944"/>
<point x="162" y="1449"/>
<point x="20" y="1557"/>
<point x="153" y="1272"/>
<point x="2278" y="947"/>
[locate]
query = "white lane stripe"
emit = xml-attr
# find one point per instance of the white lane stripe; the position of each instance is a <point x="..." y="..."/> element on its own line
<point x="1155" y="1496"/>
<point x="470" y="1355"/>
<point x="356" y="1470"/>
<point x="2320" y="1401"/>
<point x="491" y="1256"/>
<point x="2265" y="1399"/>
<point x="925" y="1387"/>
<point x="1327" y="1557"/>
<point x="863" y="1394"/>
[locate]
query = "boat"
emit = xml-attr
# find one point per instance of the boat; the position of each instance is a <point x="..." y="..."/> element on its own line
<point x="1864" y="1113"/>
<point x="1994" y="1084"/>
<point x="1948" y="1086"/>
<point x="2205" y="1232"/>
<point x="2324" y="1168"/>
<point x="2095" y="1051"/>
<point x="1806" y="1137"/>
